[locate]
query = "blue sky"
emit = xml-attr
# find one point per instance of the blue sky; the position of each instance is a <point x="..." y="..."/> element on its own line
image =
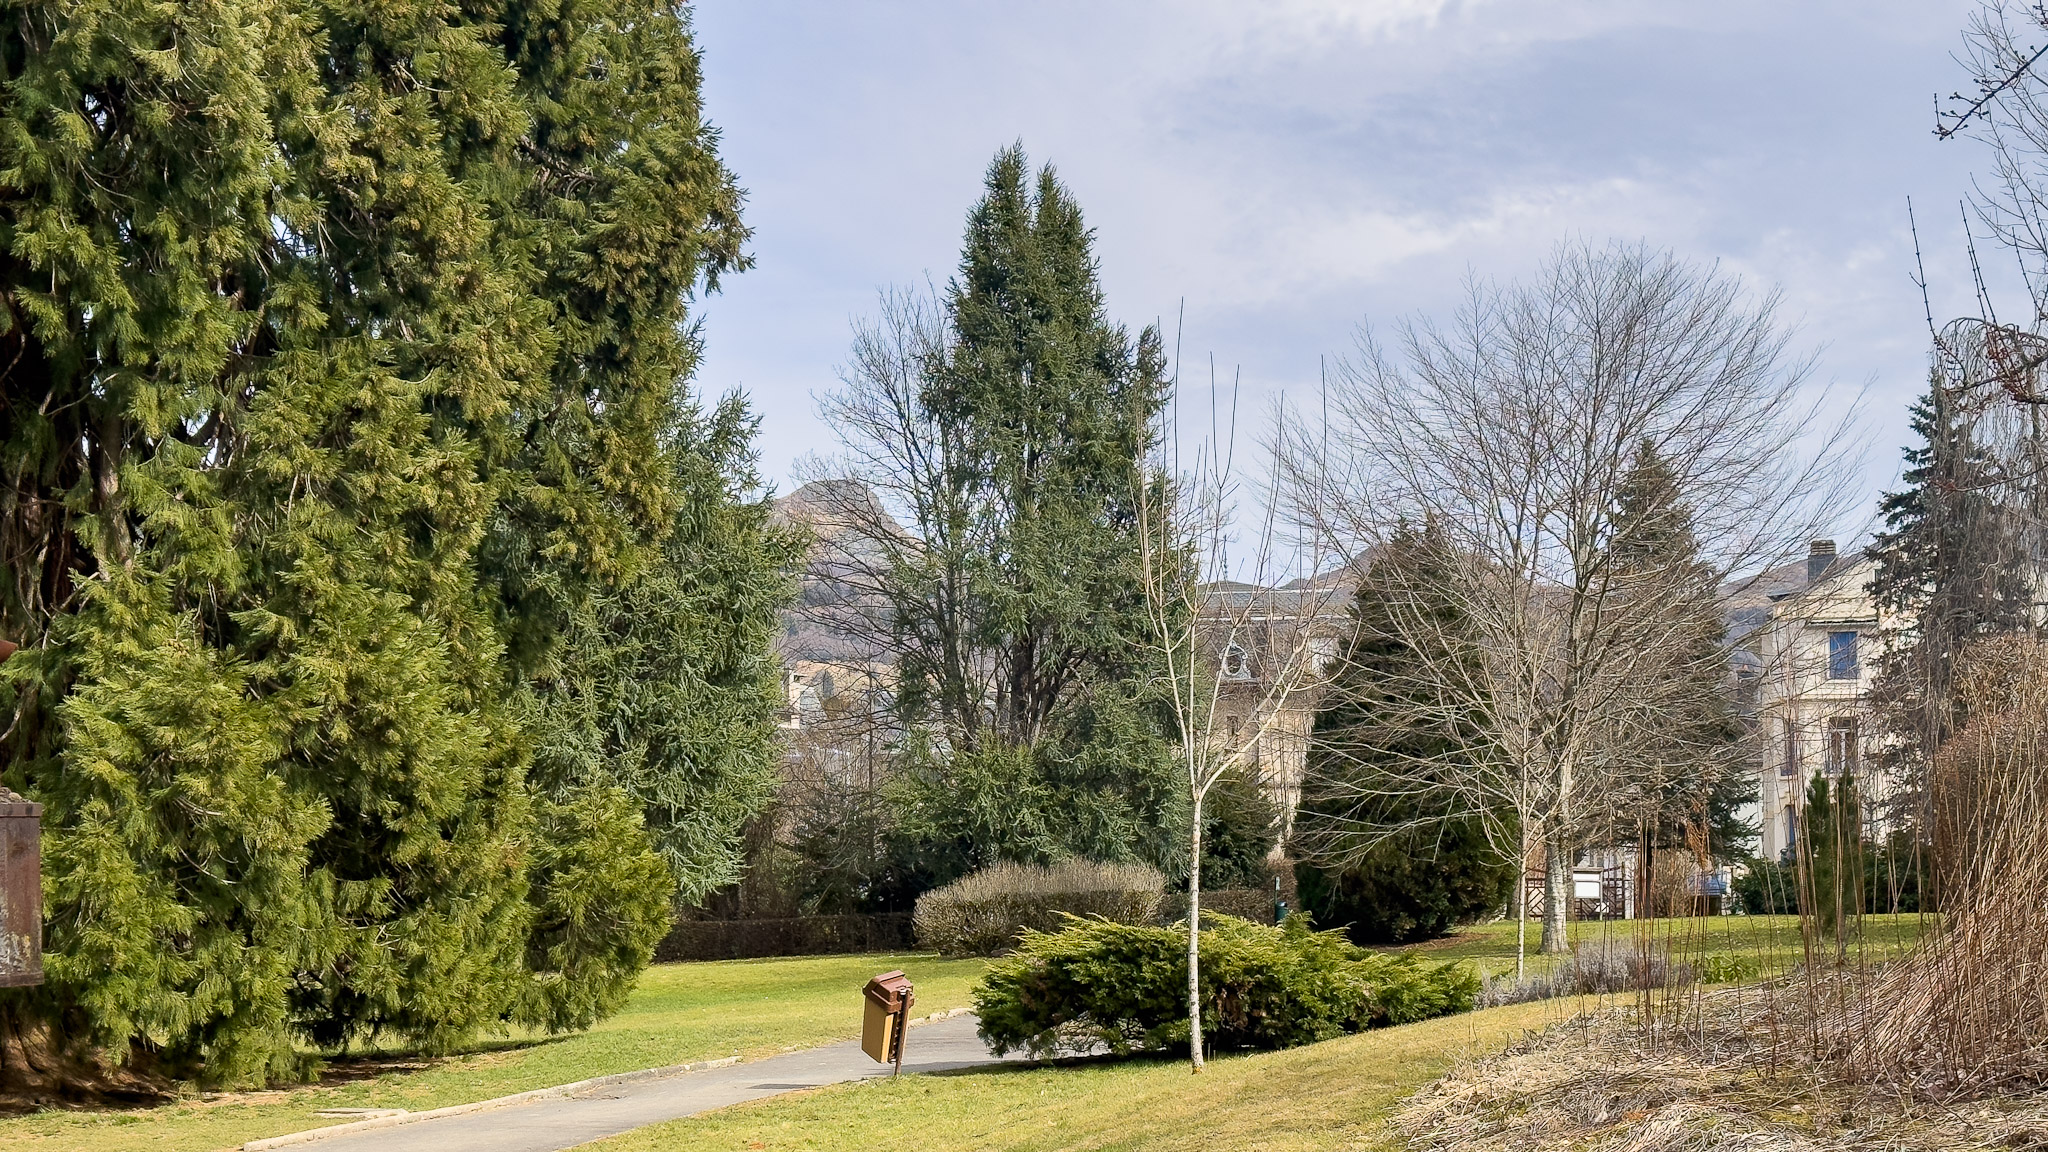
<point x="1292" y="168"/>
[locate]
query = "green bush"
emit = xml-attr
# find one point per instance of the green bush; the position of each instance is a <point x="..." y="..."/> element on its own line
<point x="1240" y="825"/>
<point x="1768" y="888"/>
<point x="1894" y="879"/>
<point x="1126" y="987"/>
<point x="1413" y="887"/>
<point x="984" y="913"/>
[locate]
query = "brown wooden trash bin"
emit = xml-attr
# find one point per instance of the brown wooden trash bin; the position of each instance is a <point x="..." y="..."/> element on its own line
<point x="21" y="891"/>
<point x="889" y="997"/>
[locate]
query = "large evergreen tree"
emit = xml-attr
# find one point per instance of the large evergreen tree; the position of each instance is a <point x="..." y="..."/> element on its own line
<point x="1385" y="858"/>
<point x="1010" y="428"/>
<point x="1694" y="795"/>
<point x="1950" y="568"/>
<point x="667" y="687"/>
<point x="344" y="347"/>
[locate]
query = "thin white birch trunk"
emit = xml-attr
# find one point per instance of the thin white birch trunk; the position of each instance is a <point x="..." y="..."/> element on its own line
<point x="1195" y="937"/>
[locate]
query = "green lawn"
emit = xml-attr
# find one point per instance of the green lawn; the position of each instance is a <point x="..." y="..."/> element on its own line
<point x="685" y="1012"/>
<point x="1772" y="942"/>
<point x="1332" y="1095"/>
<point x="679" y="1013"/>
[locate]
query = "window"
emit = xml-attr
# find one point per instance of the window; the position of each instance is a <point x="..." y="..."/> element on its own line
<point x="1841" y="745"/>
<point x="1789" y="766"/>
<point x="1236" y="663"/>
<point x="1842" y="662"/>
<point x="1747" y="687"/>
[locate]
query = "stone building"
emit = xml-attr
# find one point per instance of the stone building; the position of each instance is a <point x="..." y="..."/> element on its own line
<point x="1809" y="636"/>
<point x="1251" y="633"/>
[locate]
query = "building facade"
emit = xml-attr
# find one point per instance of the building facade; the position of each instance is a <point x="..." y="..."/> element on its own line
<point x="1252" y="634"/>
<point x="1810" y="673"/>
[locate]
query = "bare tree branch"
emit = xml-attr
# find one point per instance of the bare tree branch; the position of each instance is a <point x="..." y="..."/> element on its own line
<point x="1511" y="433"/>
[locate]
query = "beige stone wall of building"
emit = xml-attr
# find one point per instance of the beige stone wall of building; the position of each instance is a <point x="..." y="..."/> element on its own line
<point x="1816" y="658"/>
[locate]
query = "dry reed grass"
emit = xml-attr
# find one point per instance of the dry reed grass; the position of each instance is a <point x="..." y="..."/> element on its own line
<point x="1967" y="1013"/>
<point x="1945" y="1048"/>
<point x="1593" y="1085"/>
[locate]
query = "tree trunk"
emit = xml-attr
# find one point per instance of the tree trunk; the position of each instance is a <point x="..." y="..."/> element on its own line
<point x="1522" y="905"/>
<point x="1557" y="893"/>
<point x="1195" y="937"/>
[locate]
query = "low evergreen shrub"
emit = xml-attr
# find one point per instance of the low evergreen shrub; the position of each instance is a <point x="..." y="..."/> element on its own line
<point x="985" y="912"/>
<point x="1413" y="887"/>
<point x="1125" y="987"/>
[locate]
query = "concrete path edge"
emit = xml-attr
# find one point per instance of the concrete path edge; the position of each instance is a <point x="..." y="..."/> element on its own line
<point x="354" y="1126"/>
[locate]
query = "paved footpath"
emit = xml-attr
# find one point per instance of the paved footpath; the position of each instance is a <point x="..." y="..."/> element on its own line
<point x="566" y="1121"/>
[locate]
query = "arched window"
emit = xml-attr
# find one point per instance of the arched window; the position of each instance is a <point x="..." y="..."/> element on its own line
<point x="1237" y="664"/>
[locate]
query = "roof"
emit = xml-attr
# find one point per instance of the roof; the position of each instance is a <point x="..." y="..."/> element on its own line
<point x="1747" y="602"/>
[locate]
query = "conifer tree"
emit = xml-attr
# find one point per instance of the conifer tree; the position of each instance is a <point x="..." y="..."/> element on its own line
<point x="668" y="688"/>
<point x="1384" y="859"/>
<point x="1830" y="859"/>
<point x="1694" y="796"/>
<point x="345" y="356"/>
<point x="1948" y="570"/>
<point x="1011" y="428"/>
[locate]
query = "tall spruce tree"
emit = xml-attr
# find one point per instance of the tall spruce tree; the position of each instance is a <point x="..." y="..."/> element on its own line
<point x="1695" y="795"/>
<point x="1016" y="446"/>
<point x="1950" y="568"/>
<point x="1382" y="858"/>
<point x="345" y="350"/>
<point x="667" y="688"/>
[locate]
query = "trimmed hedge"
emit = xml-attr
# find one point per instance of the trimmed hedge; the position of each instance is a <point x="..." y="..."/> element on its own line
<point x="1126" y="986"/>
<point x="984" y="913"/>
<point x="784" y="936"/>
<point x="1253" y="904"/>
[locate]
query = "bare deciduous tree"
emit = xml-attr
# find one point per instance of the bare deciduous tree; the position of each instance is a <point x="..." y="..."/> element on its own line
<point x="1237" y="656"/>
<point x="1512" y="433"/>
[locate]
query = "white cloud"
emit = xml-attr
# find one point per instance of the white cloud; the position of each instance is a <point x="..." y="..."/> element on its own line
<point x="1293" y="166"/>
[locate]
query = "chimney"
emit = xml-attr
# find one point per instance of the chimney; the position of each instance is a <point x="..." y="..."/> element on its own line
<point x="1820" y="556"/>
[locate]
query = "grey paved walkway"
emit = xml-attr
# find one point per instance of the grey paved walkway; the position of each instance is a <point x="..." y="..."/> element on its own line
<point x="548" y="1125"/>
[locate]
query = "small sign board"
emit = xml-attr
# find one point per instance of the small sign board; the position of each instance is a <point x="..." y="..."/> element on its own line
<point x="1586" y="884"/>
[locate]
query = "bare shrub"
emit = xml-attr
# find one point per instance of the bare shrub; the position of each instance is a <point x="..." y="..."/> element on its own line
<point x="1672" y="877"/>
<point x="983" y="913"/>
<point x="1594" y="968"/>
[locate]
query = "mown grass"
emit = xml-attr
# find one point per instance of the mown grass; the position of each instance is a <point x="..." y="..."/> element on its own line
<point x="1770" y="944"/>
<point x="679" y="1013"/>
<point x="685" y="1012"/>
<point x="1332" y="1095"/>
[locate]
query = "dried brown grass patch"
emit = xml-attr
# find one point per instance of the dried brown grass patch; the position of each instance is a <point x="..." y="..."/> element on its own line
<point x="1605" y="1083"/>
